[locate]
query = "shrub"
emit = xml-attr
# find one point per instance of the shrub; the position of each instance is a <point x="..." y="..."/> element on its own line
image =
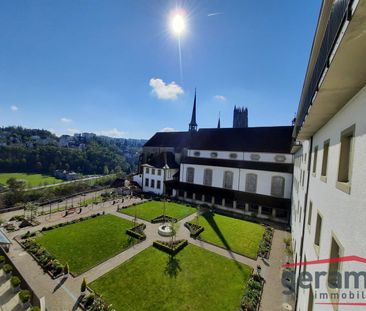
<point x="2" y="259"/>
<point x="89" y="300"/>
<point x="25" y="295"/>
<point x="83" y="285"/>
<point x="7" y="268"/>
<point x="15" y="281"/>
<point x="66" y="269"/>
<point x="35" y="309"/>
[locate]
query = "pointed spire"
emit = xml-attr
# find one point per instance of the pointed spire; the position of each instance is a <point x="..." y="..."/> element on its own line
<point x="193" y="123"/>
<point x="218" y="123"/>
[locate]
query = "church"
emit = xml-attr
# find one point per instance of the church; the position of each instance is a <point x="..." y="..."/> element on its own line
<point x="242" y="171"/>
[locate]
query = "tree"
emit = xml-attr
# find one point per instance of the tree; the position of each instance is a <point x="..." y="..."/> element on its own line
<point x="105" y="170"/>
<point x="83" y="285"/>
<point x="32" y="208"/>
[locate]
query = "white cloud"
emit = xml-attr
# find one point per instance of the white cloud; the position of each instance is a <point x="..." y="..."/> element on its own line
<point x="115" y="133"/>
<point x="165" y="91"/>
<point x="14" y="108"/>
<point x="167" y="129"/>
<point x="73" y="131"/>
<point x="65" y="120"/>
<point x="220" y="98"/>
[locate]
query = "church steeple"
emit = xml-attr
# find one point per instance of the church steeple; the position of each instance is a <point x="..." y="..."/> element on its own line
<point x="193" y="123"/>
<point x="218" y="123"/>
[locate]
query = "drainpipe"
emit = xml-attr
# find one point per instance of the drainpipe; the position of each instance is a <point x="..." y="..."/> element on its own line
<point x="304" y="220"/>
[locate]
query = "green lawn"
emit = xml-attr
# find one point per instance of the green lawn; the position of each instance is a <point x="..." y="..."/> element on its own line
<point x="89" y="242"/>
<point x="240" y="236"/>
<point x="32" y="180"/>
<point x="152" y="209"/>
<point x="195" y="280"/>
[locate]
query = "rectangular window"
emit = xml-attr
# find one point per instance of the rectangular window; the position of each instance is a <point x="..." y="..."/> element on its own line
<point x="158" y="184"/>
<point x="334" y="267"/>
<point x="147" y="171"/>
<point x="152" y="183"/>
<point x="207" y="177"/>
<point x="190" y="175"/>
<point x="147" y="182"/>
<point x="315" y="159"/>
<point x="310" y="212"/>
<point x="159" y="172"/>
<point x="228" y="180"/>
<point x="325" y="159"/>
<point x="278" y="186"/>
<point x="345" y="159"/>
<point x="318" y="230"/>
<point x="153" y="171"/>
<point x="251" y="183"/>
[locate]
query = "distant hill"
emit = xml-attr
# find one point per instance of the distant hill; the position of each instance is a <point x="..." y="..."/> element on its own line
<point x="40" y="151"/>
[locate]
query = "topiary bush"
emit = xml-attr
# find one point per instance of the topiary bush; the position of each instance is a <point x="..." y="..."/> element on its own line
<point x="83" y="285"/>
<point x="15" y="281"/>
<point x="35" y="309"/>
<point x="7" y="268"/>
<point x="25" y="295"/>
<point x="2" y="259"/>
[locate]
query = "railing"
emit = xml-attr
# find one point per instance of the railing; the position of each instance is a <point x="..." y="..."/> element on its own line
<point x="339" y="14"/>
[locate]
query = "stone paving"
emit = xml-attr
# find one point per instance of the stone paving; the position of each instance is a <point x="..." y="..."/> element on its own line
<point x="9" y="301"/>
<point x="62" y="294"/>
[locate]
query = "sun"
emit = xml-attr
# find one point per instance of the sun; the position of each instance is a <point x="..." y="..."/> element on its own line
<point x="178" y="24"/>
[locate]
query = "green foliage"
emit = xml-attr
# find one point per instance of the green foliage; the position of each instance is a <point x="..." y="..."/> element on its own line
<point x="25" y="295"/>
<point x="2" y="259"/>
<point x="98" y="156"/>
<point x="7" y="268"/>
<point x="195" y="279"/>
<point x="83" y="285"/>
<point x="236" y="235"/>
<point x="15" y="281"/>
<point x="153" y="209"/>
<point x="35" y="309"/>
<point x="87" y="243"/>
<point x="66" y="269"/>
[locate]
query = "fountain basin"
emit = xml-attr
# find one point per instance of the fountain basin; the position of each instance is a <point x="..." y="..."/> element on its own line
<point x="165" y="230"/>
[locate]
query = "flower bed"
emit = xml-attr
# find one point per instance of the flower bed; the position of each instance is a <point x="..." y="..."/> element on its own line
<point x="253" y="293"/>
<point x="163" y="218"/>
<point x="194" y="229"/>
<point x="48" y="262"/>
<point x="137" y="232"/>
<point x="266" y="243"/>
<point x="169" y="247"/>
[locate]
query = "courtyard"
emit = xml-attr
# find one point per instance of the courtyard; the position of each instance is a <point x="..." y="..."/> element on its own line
<point x="152" y="209"/>
<point x="195" y="279"/>
<point x="242" y="237"/>
<point x="87" y="243"/>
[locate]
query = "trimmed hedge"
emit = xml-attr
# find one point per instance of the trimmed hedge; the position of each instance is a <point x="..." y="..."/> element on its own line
<point x="25" y="295"/>
<point x="170" y="248"/>
<point x="137" y="232"/>
<point x="195" y="230"/>
<point x="163" y="219"/>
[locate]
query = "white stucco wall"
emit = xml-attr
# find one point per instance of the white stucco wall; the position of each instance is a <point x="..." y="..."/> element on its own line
<point x="343" y="214"/>
<point x="156" y="177"/>
<point x="241" y="156"/>
<point x="264" y="178"/>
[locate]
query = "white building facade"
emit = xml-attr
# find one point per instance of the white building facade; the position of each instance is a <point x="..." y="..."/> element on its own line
<point x="329" y="197"/>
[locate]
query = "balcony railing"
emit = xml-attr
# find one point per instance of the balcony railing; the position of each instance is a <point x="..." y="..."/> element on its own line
<point x="339" y="14"/>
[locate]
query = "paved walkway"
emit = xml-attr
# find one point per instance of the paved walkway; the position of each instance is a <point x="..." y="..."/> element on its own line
<point x="9" y="301"/>
<point x="64" y="292"/>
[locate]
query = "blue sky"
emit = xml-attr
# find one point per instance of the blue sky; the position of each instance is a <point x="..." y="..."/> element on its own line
<point x="108" y="66"/>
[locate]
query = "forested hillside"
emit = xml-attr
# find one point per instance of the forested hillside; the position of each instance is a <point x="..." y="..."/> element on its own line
<point x="25" y="150"/>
